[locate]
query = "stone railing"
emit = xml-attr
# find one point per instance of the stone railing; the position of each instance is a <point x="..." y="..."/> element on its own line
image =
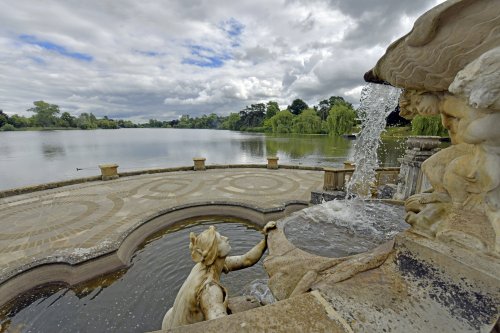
<point x="336" y="179"/>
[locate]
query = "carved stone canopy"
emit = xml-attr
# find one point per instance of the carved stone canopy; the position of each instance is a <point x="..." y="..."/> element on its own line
<point x="442" y="42"/>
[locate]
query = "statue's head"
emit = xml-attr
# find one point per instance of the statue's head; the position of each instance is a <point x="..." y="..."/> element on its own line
<point x="208" y="246"/>
<point x="412" y="103"/>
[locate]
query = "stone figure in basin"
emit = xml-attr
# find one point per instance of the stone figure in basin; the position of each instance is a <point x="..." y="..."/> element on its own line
<point x="449" y="67"/>
<point x="202" y="297"/>
<point x="465" y="177"/>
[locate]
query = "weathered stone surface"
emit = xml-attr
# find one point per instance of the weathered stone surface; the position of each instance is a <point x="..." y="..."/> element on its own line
<point x="448" y="65"/>
<point x="242" y="303"/>
<point x="442" y="42"/>
<point x="478" y="82"/>
<point x="58" y="230"/>
<point x="305" y="313"/>
<point x="293" y="271"/>
<point x="411" y="179"/>
<point x="386" y="191"/>
<point x="318" y="197"/>
<point x="424" y="286"/>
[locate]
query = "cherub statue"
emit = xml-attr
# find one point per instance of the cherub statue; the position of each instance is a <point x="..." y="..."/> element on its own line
<point x="202" y="297"/>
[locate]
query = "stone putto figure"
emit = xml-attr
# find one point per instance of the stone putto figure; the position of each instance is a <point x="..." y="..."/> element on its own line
<point x="451" y="67"/>
<point x="202" y="297"/>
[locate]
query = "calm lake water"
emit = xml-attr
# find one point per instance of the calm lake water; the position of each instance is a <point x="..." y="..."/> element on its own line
<point x="29" y="158"/>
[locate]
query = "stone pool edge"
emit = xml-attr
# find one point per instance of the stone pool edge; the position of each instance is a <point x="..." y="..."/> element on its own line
<point x="111" y="256"/>
<point x="47" y="186"/>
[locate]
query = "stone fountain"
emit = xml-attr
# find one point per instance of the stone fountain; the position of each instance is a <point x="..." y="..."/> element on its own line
<point x="444" y="272"/>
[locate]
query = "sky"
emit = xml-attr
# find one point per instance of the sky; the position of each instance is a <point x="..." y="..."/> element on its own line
<point x="140" y="60"/>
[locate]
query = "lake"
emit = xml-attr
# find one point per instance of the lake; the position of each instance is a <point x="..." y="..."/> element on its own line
<point x="35" y="157"/>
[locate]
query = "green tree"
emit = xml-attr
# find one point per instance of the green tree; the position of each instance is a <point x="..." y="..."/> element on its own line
<point x="106" y="123"/>
<point x="231" y="122"/>
<point x="126" y="124"/>
<point x="7" y="127"/>
<point x="155" y="123"/>
<point x="323" y="108"/>
<point x="428" y="125"/>
<point x="335" y="100"/>
<point x="308" y="122"/>
<point x="268" y="125"/>
<point x="185" y="122"/>
<point x="4" y="119"/>
<point x="272" y="108"/>
<point x="87" y="121"/>
<point x="297" y="106"/>
<point x="252" y="116"/>
<point x="282" y="122"/>
<point x="45" y="113"/>
<point x="19" y="121"/>
<point x="67" y="120"/>
<point x="341" y="119"/>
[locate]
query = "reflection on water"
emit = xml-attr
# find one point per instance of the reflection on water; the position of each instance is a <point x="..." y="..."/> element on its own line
<point x="52" y="151"/>
<point x="309" y="149"/>
<point x="29" y="158"/>
<point x="255" y="146"/>
<point x="133" y="299"/>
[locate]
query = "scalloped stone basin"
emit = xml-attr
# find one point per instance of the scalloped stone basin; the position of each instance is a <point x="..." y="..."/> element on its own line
<point x="134" y="299"/>
<point x="336" y="229"/>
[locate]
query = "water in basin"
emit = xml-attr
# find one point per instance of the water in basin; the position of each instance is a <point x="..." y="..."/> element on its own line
<point x="340" y="228"/>
<point x="133" y="299"/>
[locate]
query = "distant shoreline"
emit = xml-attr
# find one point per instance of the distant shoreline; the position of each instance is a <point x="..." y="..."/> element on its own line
<point x="390" y="132"/>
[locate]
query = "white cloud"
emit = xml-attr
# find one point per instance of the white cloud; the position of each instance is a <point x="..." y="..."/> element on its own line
<point x="160" y="59"/>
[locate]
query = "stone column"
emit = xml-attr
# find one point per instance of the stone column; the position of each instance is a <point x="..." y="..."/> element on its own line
<point x="199" y="164"/>
<point x="109" y="171"/>
<point x="334" y="179"/>
<point x="272" y="162"/>
<point x="411" y="179"/>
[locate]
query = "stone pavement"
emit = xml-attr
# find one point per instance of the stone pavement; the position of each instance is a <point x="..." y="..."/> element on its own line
<point x="75" y="223"/>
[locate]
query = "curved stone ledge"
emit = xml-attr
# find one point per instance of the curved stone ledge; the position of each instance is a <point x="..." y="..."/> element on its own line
<point x="52" y="185"/>
<point x="78" y="267"/>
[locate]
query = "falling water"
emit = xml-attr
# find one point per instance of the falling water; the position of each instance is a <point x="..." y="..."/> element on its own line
<point x="377" y="101"/>
<point x="341" y="228"/>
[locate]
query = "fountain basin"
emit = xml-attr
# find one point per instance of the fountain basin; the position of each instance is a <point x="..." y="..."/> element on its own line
<point x="133" y="298"/>
<point x="334" y="229"/>
<point x="300" y="256"/>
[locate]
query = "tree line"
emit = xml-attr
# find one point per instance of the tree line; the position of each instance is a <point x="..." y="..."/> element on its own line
<point x="333" y="116"/>
<point x="47" y="115"/>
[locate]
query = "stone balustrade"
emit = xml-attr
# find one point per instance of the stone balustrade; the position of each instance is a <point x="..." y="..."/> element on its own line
<point x="272" y="162"/>
<point x="199" y="163"/>
<point x="336" y="179"/>
<point x="109" y="171"/>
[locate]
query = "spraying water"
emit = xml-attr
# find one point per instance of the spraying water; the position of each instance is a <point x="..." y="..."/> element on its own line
<point x="341" y="228"/>
<point x="377" y="102"/>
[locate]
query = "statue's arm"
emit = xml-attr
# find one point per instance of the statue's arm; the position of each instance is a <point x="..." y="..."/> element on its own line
<point x="250" y="258"/>
<point x="234" y="263"/>
<point x="212" y="302"/>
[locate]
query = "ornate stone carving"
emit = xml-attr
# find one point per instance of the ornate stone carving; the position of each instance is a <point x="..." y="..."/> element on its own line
<point x="442" y="42"/>
<point x="448" y="65"/>
<point x="293" y="271"/>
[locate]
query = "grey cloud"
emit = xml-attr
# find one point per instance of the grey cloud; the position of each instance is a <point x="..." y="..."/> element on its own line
<point x="377" y="21"/>
<point x="309" y="49"/>
<point x="256" y="54"/>
<point x="306" y="24"/>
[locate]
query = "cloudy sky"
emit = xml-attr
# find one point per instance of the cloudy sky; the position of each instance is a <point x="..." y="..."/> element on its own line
<point x="138" y="60"/>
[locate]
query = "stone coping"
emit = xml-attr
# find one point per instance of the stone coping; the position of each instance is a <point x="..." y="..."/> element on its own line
<point x="309" y="312"/>
<point x="77" y="267"/>
<point x="51" y="185"/>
